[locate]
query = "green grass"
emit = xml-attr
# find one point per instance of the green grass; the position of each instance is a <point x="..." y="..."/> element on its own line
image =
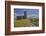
<point x="35" y="21"/>
<point x="19" y="23"/>
<point x="23" y="22"/>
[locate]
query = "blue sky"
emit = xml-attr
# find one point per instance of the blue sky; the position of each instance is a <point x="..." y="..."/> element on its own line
<point x="30" y="12"/>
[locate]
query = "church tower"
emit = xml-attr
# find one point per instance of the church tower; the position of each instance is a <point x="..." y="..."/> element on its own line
<point x="25" y="14"/>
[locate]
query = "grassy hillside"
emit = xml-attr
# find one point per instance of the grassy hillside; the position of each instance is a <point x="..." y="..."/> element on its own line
<point x="20" y="23"/>
<point x="26" y="22"/>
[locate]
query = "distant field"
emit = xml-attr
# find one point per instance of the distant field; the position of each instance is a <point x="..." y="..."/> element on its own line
<point x="25" y="22"/>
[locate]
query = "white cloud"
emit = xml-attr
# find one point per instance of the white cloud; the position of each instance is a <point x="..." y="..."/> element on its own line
<point x="34" y="16"/>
